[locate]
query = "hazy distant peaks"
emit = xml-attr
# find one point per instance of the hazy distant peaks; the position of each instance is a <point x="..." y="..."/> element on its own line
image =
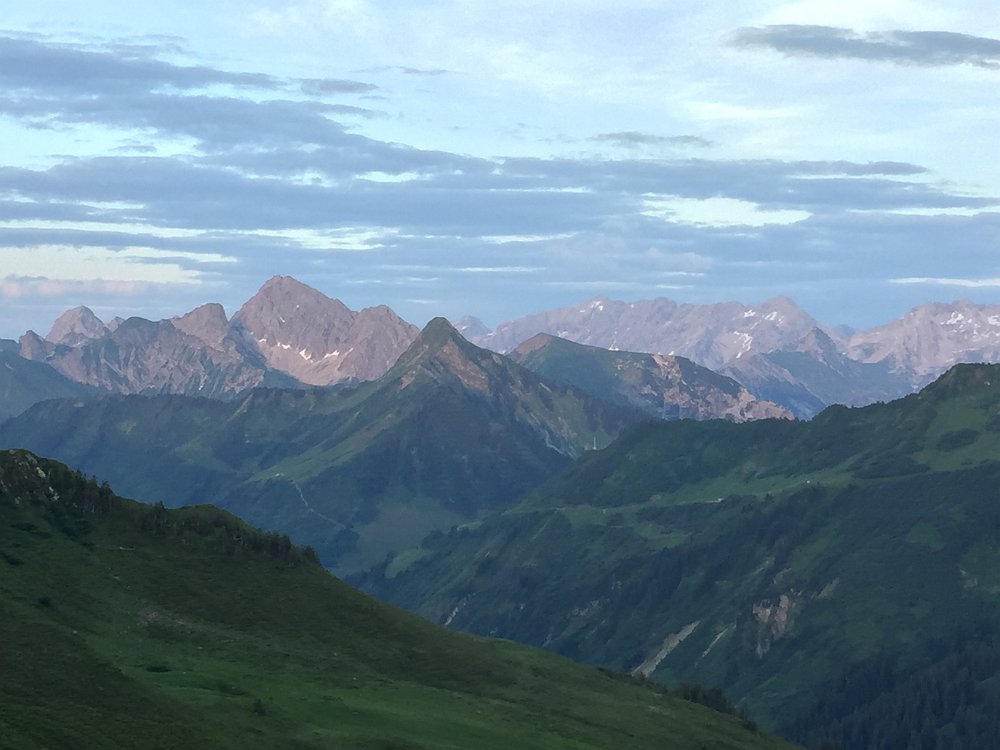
<point x="76" y="326"/>
<point x="471" y="327"/>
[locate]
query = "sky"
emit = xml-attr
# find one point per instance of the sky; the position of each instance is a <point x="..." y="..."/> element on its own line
<point x="457" y="157"/>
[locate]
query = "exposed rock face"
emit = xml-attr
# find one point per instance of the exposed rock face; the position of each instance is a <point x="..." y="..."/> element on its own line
<point x="142" y="356"/>
<point x="286" y="335"/>
<point x="207" y="323"/>
<point x="75" y="327"/>
<point x="773" y="620"/>
<point x="775" y="349"/>
<point x="318" y="340"/>
<point x="663" y="386"/>
<point x="931" y="338"/>
<point x="813" y="373"/>
<point x="711" y="335"/>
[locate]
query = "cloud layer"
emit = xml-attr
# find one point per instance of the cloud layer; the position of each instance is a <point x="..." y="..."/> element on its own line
<point x="931" y="48"/>
<point x="187" y="174"/>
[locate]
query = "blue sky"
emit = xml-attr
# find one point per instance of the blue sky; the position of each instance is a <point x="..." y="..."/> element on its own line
<point x="498" y="158"/>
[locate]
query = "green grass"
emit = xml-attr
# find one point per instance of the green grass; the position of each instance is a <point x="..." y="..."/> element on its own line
<point x="879" y="524"/>
<point x="128" y="626"/>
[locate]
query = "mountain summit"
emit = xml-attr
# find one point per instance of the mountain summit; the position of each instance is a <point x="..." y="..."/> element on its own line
<point x="76" y="326"/>
<point x="319" y="340"/>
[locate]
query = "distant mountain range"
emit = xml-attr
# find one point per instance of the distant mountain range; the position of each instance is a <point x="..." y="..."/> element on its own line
<point x="289" y="335"/>
<point x="775" y="349"/>
<point x="665" y="387"/>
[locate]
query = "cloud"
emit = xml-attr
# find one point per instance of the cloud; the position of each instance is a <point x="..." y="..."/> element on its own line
<point x="16" y="288"/>
<point x="220" y="165"/>
<point x="430" y="72"/>
<point x="925" y="48"/>
<point x="30" y="64"/>
<point x="966" y="283"/>
<point x="635" y="139"/>
<point x="326" y="86"/>
<point x="48" y="83"/>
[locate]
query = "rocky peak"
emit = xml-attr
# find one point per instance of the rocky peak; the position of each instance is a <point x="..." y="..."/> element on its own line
<point x="440" y="353"/>
<point x="438" y="334"/>
<point x="319" y="340"/>
<point x="931" y="338"/>
<point x="471" y="327"/>
<point x="208" y="323"/>
<point x="534" y="344"/>
<point x="33" y="346"/>
<point x="818" y="344"/>
<point x="76" y="327"/>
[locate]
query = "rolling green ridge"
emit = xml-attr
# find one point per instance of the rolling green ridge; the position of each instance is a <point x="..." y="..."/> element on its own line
<point x="450" y="432"/>
<point x="771" y="558"/>
<point x="127" y="625"/>
<point x="24" y="383"/>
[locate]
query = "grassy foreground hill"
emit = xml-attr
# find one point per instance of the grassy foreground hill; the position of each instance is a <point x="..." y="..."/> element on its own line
<point x="127" y="626"/>
<point x="830" y="575"/>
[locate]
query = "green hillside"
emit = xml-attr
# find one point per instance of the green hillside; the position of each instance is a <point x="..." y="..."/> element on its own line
<point x="451" y="432"/>
<point x="24" y="383"/>
<point x="125" y="625"/>
<point x="779" y="560"/>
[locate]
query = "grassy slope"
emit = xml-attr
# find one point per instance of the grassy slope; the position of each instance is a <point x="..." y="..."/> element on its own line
<point x="24" y="382"/>
<point x="878" y="525"/>
<point x="130" y="626"/>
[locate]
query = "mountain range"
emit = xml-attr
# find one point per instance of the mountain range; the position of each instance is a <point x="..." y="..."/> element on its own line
<point x="289" y="335"/>
<point x="593" y="489"/>
<point x="448" y="433"/>
<point x="665" y="387"/>
<point x="775" y="349"/>
<point x="286" y="335"/>
<point x="135" y="626"/>
<point x="832" y="575"/>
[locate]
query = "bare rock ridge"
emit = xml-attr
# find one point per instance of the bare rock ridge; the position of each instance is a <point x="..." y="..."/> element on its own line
<point x="775" y="349"/>
<point x="931" y="338"/>
<point x="75" y="327"/>
<point x="318" y="340"/>
<point x="289" y="334"/>
<point x="663" y="386"/>
<point x="286" y="335"/>
<point x="711" y="335"/>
